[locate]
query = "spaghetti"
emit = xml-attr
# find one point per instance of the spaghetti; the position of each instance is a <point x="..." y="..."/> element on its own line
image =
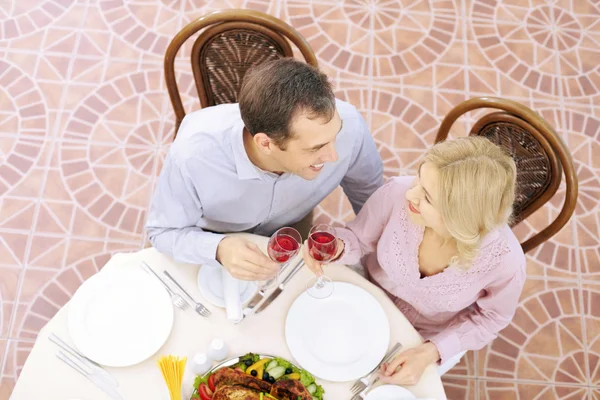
<point x="172" y="371"/>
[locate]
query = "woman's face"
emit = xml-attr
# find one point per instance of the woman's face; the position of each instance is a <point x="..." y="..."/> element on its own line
<point x="422" y="200"/>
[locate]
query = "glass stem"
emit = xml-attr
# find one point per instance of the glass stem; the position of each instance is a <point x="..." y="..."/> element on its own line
<point x="319" y="284"/>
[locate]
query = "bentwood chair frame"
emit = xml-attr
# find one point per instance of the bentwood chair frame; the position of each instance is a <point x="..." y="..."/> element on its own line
<point x="540" y="155"/>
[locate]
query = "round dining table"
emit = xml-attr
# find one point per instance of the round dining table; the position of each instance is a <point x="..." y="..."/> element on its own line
<point x="44" y="376"/>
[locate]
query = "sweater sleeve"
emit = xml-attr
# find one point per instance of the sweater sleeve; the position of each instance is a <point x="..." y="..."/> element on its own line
<point x="361" y="235"/>
<point x="489" y="315"/>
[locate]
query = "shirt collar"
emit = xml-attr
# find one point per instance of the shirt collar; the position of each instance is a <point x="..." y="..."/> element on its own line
<point x="244" y="167"/>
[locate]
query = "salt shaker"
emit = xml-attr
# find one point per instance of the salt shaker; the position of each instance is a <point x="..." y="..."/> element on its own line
<point x="218" y="350"/>
<point x="200" y="364"/>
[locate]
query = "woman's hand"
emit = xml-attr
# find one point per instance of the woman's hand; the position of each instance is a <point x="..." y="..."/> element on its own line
<point x="408" y="367"/>
<point x="316" y="266"/>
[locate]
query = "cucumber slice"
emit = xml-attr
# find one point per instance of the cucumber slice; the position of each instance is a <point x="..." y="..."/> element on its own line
<point x="271" y="365"/>
<point x="311" y="388"/>
<point x="277" y="372"/>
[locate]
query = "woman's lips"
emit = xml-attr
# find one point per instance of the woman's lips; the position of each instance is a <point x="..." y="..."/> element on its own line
<point x="412" y="208"/>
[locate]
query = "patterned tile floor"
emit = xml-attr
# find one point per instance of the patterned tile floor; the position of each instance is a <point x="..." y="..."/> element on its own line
<point x="85" y="122"/>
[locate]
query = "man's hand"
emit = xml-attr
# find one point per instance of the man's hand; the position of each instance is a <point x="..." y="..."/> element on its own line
<point x="408" y="367"/>
<point x="244" y="260"/>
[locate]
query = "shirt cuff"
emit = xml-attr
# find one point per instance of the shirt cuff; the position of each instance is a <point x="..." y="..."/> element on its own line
<point x="207" y="247"/>
<point x="351" y="253"/>
<point x="447" y="343"/>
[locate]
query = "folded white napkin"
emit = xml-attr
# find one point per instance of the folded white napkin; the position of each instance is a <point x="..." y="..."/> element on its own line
<point x="231" y="295"/>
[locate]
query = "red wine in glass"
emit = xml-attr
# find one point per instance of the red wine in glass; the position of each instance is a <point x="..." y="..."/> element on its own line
<point x="322" y="246"/>
<point x="282" y="247"/>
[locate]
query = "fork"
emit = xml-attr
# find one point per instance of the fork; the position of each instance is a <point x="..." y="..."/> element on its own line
<point x="361" y="384"/>
<point x="177" y="299"/>
<point x="361" y="395"/>
<point x="198" y="307"/>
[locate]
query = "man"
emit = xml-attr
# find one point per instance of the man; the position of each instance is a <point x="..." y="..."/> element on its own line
<point x="259" y="165"/>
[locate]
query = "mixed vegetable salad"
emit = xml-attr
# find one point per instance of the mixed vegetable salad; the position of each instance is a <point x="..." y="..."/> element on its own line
<point x="268" y="369"/>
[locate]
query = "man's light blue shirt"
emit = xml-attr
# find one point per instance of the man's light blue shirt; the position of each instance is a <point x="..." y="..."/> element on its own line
<point x="208" y="186"/>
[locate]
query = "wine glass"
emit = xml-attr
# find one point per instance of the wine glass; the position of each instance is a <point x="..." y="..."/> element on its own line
<point x="283" y="246"/>
<point x="322" y="246"/>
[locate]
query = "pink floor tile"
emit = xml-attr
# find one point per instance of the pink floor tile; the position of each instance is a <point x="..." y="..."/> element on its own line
<point x="16" y="355"/>
<point x="460" y="388"/>
<point x="8" y="297"/>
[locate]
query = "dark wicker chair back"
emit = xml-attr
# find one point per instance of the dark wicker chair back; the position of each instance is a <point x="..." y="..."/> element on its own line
<point x="231" y="42"/>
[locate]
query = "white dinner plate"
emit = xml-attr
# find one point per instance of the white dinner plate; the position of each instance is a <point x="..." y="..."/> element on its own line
<point x="210" y="285"/>
<point x="120" y="318"/>
<point x="340" y="338"/>
<point x="390" y="392"/>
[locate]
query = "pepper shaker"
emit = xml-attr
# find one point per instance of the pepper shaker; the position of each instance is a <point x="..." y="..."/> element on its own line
<point x="200" y="364"/>
<point x="218" y="350"/>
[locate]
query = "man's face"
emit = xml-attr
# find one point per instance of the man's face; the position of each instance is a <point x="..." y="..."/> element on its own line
<point x="312" y="145"/>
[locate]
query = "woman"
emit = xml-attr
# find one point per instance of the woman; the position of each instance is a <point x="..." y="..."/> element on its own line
<point x="440" y="246"/>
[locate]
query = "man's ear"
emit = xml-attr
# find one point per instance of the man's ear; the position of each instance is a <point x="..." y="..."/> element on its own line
<point x="263" y="143"/>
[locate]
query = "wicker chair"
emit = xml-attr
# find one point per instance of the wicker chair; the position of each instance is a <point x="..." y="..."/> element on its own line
<point x="231" y="42"/>
<point x="538" y="151"/>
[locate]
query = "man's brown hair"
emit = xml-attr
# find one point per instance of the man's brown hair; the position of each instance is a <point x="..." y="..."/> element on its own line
<point x="274" y="93"/>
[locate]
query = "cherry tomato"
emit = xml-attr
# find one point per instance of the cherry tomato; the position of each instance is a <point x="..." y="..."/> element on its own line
<point x="203" y="390"/>
<point x="211" y="382"/>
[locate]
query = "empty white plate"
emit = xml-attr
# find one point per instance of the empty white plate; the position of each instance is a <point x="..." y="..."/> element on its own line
<point x="389" y="392"/>
<point x="340" y="338"/>
<point x="120" y="318"/>
<point x="210" y="285"/>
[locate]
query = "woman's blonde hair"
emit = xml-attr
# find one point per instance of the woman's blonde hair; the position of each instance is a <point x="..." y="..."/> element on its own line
<point x="476" y="189"/>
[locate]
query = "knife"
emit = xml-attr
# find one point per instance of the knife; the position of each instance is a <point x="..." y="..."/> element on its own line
<point x="95" y="379"/>
<point x="91" y="365"/>
<point x="257" y="298"/>
<point x="280" y="288"/>
<point x="254" y="301"/>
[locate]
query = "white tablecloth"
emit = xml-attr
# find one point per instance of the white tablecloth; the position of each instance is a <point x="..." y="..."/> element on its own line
<point x="45" y="376"/>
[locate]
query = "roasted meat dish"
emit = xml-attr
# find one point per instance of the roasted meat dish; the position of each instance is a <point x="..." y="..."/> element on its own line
<point x="290" y="390"/>
<point x="256" y="377"/>
<point x="232" y="384"/>
<point x="232" y="377"/>
<point x="236" y="392"/>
